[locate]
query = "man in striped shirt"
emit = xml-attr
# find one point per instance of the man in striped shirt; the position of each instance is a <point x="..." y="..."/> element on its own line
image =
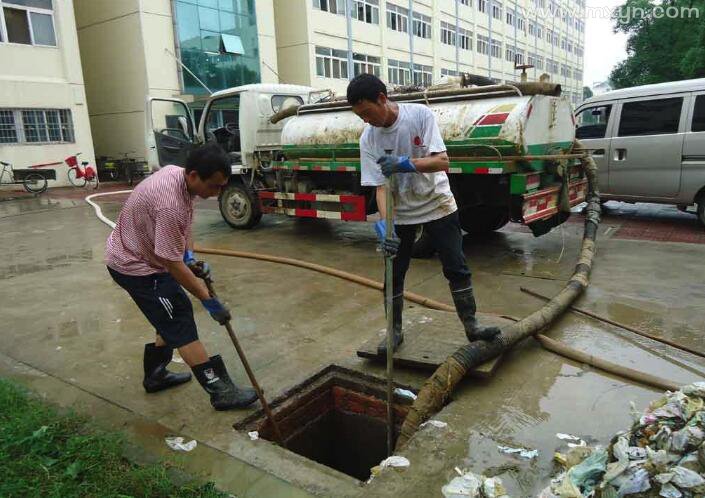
<point x="150" y="254"/>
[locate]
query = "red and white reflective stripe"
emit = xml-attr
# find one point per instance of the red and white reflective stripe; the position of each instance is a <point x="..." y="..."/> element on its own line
<point x="543" y="204"/>
<point x="533" y="182"/>
<point x="489" y="171"/>
<point x="356" y="201"/>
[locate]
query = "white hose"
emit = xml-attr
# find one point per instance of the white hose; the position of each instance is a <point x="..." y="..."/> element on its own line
<point x="98" y="211"/>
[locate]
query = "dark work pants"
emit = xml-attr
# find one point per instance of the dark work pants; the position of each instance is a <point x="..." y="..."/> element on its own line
<point x="447" y="240"/>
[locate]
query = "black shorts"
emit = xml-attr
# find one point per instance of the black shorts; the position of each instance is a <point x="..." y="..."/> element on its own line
<point x="165" y="304"/>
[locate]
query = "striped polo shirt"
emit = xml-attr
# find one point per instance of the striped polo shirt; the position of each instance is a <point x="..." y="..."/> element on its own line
<point x="155" y="222"/>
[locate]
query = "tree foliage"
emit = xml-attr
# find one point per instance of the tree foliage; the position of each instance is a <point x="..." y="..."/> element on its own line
<point x="666" y="41"/>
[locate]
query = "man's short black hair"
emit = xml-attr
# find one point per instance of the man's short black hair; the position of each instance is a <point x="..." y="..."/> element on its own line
<point x="207" y="160"/>
<point x="365" y="86"/>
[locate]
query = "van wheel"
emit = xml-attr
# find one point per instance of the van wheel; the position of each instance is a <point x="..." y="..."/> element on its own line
<point x="239" y="206"/>
<point x="478" y="220"/>
<point x="701" y="209"/>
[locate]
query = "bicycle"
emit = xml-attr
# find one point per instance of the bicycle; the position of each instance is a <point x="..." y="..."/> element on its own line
<point x="32" y="181"/>
<point x="81" y="177"/>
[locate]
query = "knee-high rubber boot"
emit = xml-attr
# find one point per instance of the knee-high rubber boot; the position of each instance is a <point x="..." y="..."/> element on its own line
<point x="464" y="300"/>
<point x="398" y="336"/>
<point x="156" y="376"/>
<point x="225" y="395"/>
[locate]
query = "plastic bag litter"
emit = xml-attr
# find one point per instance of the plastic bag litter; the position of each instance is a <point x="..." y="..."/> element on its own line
<point x="521" y="452"/>
<point x="586" y="475"/>
<point x="464" y="486"/>
<point x="668" y="490"/>
<point x="404" y="393"/>
<point x="573" y="457"/>
<point x="690" y="462"/>
<point x="493" y="488"/>
<point x="394" y="461"/>
<point x="434" y="423"/>
<point x="634" y="480"/>
<point x="254" y="435"/>
<point x="686" y="478"/>
<point x="178" y="444"/>
<point x="572" y="441"/>
<point x="695" y="389"/>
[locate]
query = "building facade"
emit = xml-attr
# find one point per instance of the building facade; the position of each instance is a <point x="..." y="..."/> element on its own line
<point x="43" y="112"/>
<point x="136" y="49"/>
<point x="322" y="43"/>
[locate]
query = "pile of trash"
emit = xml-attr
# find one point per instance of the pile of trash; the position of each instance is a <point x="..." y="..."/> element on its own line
<point x="469" y="485"/>
<point x="663" y="455"/>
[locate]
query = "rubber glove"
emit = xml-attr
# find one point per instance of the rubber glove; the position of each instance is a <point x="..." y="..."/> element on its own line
<point x="389" y="247"/>
<point x="395" y="164"/>
<point x="199" y="268"/>
<point x="218" y="311"/>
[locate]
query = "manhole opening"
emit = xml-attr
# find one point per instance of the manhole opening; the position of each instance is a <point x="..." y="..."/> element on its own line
<point x="337" y="418"/>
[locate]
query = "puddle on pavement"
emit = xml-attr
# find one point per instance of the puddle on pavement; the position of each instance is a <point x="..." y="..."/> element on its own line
<point x="336" y="418"/>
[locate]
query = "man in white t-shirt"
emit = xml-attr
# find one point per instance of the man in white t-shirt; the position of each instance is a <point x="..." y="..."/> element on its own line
<point x="404" y="140"/>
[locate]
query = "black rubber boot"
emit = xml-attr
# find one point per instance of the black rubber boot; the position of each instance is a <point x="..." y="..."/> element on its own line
<point x="464" y="300"/>
<point x="215" y="380"/>
<point x="156" y="376"/>
<point x="398" y="336"/>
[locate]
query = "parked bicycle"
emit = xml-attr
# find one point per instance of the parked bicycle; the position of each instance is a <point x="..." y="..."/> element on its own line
<point x="33" y="181"/>
<point x="81" y="177"/>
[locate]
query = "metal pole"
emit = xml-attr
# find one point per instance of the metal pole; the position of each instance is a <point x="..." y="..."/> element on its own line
<point x="348" y="22"/>
<point x="457" y="33"/>
<point x="389" y="298"/>
<point x="250" y="373"/>
<point x="489" y="28"/>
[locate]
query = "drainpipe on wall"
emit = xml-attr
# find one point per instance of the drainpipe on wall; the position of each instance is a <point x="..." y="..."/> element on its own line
<point x="489" y="63"/>
<point x="411" y="39"/>
<point x="348" y="22"/>
<point x="457" y="32"/>
<point x="177" y="45"/>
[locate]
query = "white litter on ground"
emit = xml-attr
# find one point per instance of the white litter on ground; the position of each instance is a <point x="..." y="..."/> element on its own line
<point x="178" y="444"/>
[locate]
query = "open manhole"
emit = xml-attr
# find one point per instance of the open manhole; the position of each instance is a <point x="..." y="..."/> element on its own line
<point x="337" y="418"/>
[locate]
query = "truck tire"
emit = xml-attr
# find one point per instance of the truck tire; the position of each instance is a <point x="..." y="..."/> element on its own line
<point x="479" y="220"/>
<point x="701" y="208"/>
<point x="239" y="206"/>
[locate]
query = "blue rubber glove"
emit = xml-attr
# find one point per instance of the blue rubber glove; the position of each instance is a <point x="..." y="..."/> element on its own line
<point x="218" y="311"/>
<point x="199" y="268"/>
<point x="389" y="247"/>
<point x="395" y="164"/>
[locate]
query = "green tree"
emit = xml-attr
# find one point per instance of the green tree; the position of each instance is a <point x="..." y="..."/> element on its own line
<point x="661" y="45"/>
<point x="587" y="92"/>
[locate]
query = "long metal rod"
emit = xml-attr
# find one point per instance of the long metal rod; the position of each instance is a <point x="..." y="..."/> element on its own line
<point x="389" y="298"/>
<point x="250" y="373"/>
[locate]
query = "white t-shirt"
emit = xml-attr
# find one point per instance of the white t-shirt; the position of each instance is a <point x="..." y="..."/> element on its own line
<point x="418" y="197"/>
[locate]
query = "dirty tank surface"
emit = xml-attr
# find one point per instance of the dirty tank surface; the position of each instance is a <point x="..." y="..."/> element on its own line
<point x="76" y="338"/>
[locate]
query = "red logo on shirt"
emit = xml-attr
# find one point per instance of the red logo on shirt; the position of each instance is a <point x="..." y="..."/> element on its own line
<point x="417" y="141"/>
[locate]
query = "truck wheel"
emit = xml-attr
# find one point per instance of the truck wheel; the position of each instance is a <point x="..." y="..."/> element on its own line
<point x="701" y="209"/>
<point x="423" y="245"/>
<point x="239" y="206"/>
<point x="477" y="220"/>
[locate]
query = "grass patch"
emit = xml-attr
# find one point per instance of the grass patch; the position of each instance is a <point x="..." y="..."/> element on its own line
<point x="47" y="454"/>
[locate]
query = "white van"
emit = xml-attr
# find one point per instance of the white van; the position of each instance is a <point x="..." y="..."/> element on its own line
<point x="649" y="143"/>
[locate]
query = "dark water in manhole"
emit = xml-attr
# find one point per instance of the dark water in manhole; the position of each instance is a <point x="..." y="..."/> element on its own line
<point x="339" y="422"/>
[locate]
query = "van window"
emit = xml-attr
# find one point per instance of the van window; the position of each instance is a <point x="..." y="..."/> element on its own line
<point x="223" y="123"/>
<point x="592" y="122"/>
<point x="699" y="114"/>
<point x="650" y="117"/>
<point x="283" y="101"/>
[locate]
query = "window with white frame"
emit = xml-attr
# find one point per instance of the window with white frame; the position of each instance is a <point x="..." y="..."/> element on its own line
<point x="483" y="45"/>
<point x="579" y="50"/>
<point x="35" y="126"/>
<point x="539" y="62"/>
<point x="509" y="53"/>
<point x="521" y="24"/>
<point x="423" y="75"/>
<point x="398" y="72"/>
<point x="531" y="59"/>
<point x="464" y="39"/>
<point x="448" y="72"/>
<point x="422" y="25"/>
<point x="578" y="75"/>
<point x="519" y="58"/>
<point x="447" y="33"/>
<point x="510" y="17"/>
<point x="332" y="6"/>
<point x="366" y="11"/>
<point x="29" y="22"/>
<point x="569" y="46"/>
<point x="482" y="6"/>
<point x="564" y="70"/>
<point x="551" y="66"/>
<point x="397" y="18"/>
<point x="539" y="31"/>
<point x="497" y="11"/>
<point x="532" y="28"/>
<point x="363" y="63"/>
<point x="466" y="2"/>
<point x="564" y="42"/>
<point x="496" y="49"/>
<point x="331" y="63"/>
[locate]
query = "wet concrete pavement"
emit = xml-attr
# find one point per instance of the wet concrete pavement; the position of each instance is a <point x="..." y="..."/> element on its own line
<point x="76" y="338"/>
